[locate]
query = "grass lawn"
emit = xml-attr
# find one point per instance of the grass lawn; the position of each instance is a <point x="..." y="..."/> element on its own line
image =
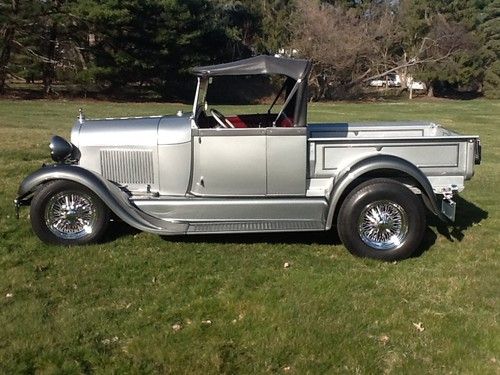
<point x="111" y="308"/>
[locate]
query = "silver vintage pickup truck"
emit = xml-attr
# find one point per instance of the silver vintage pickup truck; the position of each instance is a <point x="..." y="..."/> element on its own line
<point x="205" y="172"/>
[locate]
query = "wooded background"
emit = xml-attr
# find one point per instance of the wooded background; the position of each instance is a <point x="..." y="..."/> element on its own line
<point x="109" y="45"/>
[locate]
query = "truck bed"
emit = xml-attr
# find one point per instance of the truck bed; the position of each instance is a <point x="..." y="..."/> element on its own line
<point x="446" y="157"/>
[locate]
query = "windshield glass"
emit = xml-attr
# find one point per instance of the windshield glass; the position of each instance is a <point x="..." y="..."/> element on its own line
<point x="245" y="101"/>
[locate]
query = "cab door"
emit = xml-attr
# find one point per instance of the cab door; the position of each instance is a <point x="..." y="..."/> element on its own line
<point x="286" y="161"/>
<point x="229" y="162"/>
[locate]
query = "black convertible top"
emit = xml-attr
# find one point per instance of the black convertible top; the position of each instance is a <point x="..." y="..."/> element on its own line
<point x="293" y="68"/>
<point x="296" y="70"/>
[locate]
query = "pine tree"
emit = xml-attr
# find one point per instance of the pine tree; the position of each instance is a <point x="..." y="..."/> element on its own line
<point x="10" y="21"/>
<point x="491" y="31"/>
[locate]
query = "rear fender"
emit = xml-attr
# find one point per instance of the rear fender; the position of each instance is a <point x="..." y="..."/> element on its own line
<point x="345" y="182"/>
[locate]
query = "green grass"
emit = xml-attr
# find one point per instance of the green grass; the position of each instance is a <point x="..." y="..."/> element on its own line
<point x="110" y="308"/>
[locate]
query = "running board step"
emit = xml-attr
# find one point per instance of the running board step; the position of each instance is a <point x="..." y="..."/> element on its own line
<point x="256" y="226"/>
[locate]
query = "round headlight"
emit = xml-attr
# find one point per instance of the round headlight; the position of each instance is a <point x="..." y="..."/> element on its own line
<point x="60" y="148"/>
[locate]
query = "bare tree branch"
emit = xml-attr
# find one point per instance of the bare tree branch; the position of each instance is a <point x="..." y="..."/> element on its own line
<point x="33" y="53"/>
<point x="411" y="63"/>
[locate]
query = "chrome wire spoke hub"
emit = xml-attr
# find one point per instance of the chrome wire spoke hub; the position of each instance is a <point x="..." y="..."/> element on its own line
<point x="383" y="225"/>
<point x="70" y="215"/>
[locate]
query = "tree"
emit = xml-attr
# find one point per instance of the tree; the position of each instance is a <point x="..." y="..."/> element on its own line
<point x="338" y="40"/>
<point x="261" y="26"/>
<point x="441" y="34"/>
<point x="115" y="43"/>
<point x="242" y="22"/>
<point x="277" y="23"/>
<point x="490" y="28"/>
<point x="39" y="46"/>
<point x="9" y="19"/>
<point x="49" y="43"/>
<point x="151" y="42"/>
<point x="358" y="42"/>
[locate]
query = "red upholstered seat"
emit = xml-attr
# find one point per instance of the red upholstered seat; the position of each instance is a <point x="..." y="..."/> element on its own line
<point x="237" y="122"/>
<point x="286" y="122"/>
<point x="255" y="121"/>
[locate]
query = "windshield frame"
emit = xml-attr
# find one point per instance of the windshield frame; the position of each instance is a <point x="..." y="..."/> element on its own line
<point x="201" y="94"/>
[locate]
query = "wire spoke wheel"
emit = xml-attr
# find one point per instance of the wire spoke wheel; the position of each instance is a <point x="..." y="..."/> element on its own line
<point x="66" y="213"/>
<point x="383" y="225"/>
<point x="381" y="219"/>
<point x="70" y="215"/>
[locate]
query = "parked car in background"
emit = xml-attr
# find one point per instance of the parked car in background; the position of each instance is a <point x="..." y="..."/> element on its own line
<point x="415" y="85"/>
<point x="394" y="80"/>
<point x="390" y="80"/>
<point x="208" y="172"/>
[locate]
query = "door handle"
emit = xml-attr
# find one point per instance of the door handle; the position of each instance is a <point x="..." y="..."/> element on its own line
<point x="202" y="182"/>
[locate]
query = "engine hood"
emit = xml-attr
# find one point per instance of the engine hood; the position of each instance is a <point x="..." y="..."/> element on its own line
<point x="132" y="131"/>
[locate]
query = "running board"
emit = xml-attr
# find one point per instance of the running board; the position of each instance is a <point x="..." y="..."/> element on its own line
<point x="255" y="226"/>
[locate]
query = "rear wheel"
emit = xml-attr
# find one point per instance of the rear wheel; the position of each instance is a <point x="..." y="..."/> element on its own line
<point x="381" y="219"/>
<point x="67" y="213"/>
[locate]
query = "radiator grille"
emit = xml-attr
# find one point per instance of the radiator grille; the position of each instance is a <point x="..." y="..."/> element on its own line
<point x="128" y="166"/>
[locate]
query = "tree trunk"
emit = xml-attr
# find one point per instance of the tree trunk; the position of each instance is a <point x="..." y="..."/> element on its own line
<point x="48" y="66"/>
<point x="430" y="90"/>
<point x="403" y="73"/>
<point x="5" y="54"/>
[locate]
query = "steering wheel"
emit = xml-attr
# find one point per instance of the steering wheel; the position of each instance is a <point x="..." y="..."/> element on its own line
<point x="219" y="117"/>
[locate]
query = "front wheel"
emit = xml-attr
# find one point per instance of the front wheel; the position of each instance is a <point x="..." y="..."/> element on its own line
<point x="66" y="213"/>
<point x="381" y="219"/>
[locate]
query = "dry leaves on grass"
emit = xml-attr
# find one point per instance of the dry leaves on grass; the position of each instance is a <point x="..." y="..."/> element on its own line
<point x="240" y="317"/>
<point x="109" y="341"/>
<point x="419" y="326"/>
<point x="384" y="339"/>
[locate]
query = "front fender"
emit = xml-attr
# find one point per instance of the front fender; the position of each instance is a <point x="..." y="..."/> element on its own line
<point x="382" y="163"/>
<point x="60" y="172"/>
<point x="115" y="198"/>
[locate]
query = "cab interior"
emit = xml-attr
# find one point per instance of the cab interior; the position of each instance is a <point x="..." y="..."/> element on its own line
<point x="279" y="114"/>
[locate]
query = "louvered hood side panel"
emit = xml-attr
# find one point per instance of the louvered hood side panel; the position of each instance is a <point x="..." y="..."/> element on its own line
<point x="128" y="166"/>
